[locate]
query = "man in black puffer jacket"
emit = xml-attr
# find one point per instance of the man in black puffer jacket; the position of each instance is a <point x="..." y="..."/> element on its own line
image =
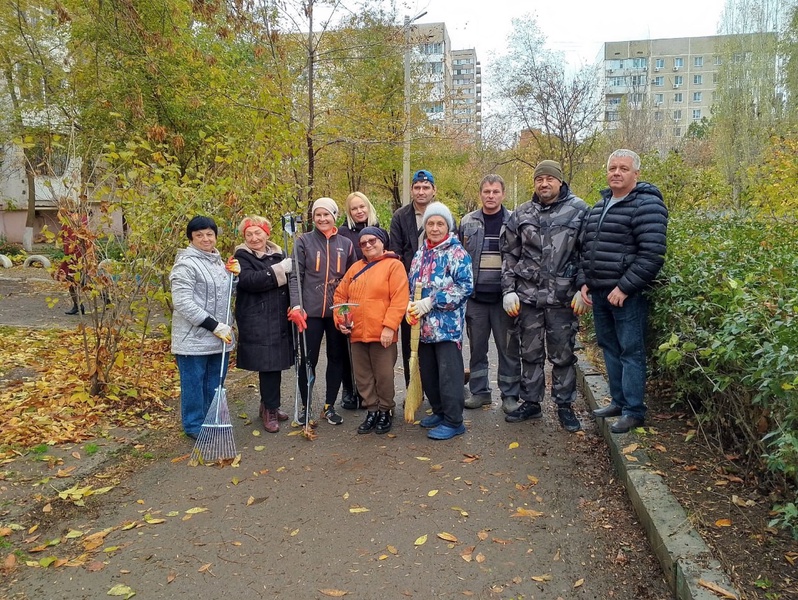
<point x="623" y="250"/>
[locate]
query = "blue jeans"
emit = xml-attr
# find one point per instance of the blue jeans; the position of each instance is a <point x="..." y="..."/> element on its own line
<point x="199" y="379"/>
<point x="621" y="334"/>
<point x="481" y="320"/>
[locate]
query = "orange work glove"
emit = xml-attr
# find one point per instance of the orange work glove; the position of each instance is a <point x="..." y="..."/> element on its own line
<point x="299" y="318"/>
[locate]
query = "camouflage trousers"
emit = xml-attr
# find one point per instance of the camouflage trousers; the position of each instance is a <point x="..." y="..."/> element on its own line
<point x="548" y="332"/>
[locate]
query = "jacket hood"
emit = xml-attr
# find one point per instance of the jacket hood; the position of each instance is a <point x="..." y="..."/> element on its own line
<point x="192" y="252"/>
<point x="642" y="187"/>
<point x="271" y="248"/>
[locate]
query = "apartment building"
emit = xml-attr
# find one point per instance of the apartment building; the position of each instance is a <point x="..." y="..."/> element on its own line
<point x="453" y="79"/>
<point x="674" y="78"/>
<point x="467" y="93"/>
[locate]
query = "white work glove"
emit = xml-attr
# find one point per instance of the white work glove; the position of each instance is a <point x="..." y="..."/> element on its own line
<point x="578" y="305"/>
<point x="421" y="308"/>
<point x="287" y="264"/>
<point x="224" y="332"/>
<point x="511" y="304"/>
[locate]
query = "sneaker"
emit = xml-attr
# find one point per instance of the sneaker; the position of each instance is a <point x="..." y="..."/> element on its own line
<point x="509" y="404"/>
<point x="568" y="419"/>
<point x="527" y="410"/>
<point x="431" y="421"/>
<point x="477" y="400"/>
<point x="333" y="418"/>
<point x="444" y="431"/>
<point x="302" y="418"/>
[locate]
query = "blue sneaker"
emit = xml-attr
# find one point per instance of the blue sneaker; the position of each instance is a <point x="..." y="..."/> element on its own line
<point x="446" y="432"/>
<point x="431" y="421"/>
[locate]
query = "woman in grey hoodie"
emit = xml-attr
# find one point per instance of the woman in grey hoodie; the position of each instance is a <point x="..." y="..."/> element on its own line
<point x="201" y="320"/>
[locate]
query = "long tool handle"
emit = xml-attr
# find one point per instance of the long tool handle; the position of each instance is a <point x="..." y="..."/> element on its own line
<point x="226" y="319"/>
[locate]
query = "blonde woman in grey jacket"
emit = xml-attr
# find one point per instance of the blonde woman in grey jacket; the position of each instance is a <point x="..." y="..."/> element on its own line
<point x="201" y="320"/>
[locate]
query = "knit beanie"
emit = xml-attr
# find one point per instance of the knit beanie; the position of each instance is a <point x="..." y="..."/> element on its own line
<point x="377" y="232"/>
<point x="327" y="204"/>
<point x="438" y="209"/>
<point x="549" y="167"/>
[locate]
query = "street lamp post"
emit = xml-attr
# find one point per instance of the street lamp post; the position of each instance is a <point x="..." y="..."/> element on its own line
<point x="406" y="144"/>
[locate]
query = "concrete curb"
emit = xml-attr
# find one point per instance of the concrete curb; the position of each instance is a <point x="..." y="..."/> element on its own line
<point x="682" y="553"/>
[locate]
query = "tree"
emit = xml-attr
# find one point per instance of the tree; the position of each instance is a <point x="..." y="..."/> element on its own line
<point x="558" y="109"/>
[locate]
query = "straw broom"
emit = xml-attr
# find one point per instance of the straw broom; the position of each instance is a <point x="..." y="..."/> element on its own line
<point x="415" y="394"/>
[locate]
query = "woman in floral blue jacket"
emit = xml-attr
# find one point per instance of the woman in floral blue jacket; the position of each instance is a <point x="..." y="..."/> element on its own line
<point x="443" y="267"/>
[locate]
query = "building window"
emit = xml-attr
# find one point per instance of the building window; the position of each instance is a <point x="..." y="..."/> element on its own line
<point x="677" y="115"/>
<point x="678" y="80"/>
<point x="636" y="98"/>
<point x="696" y="96"/>
<point x="698" y="79"/>
<point x="658" y="116"/>
<point x="677" y="132"/>
<point x="718" y="61"/>
<point x="638" y="80"/>
<point x="659" y="63"/>
<point x="659" y="98"/>
<point x="678" y="63"/>
<point x="639" y="63"/>
<point x="697" y="114"/>
<point x="715" y="78"/>
<point x="698" y="61"/>
<point x="659" y="81"/>
<point x="677" y="98"/>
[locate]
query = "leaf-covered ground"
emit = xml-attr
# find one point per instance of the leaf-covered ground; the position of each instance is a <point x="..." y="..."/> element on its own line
<point x="726" y="503"/>
<point x="44" y="397"/>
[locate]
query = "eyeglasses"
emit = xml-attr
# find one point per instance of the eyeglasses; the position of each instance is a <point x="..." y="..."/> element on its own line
<point x="369" y="242"/>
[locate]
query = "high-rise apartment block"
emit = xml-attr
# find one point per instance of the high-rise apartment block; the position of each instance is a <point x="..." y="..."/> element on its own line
<point x="453" y="79"/>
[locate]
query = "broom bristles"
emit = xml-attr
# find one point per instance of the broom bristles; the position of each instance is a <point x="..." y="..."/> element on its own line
<point x="215" y="442"/>
<point x="415" y="393"/>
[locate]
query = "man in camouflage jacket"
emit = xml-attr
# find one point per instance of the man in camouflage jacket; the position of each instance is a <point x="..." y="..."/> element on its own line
<point x="540" y="251"/>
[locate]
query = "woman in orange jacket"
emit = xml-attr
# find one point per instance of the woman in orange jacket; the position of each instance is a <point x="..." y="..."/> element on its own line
<point x="374" y="294"/>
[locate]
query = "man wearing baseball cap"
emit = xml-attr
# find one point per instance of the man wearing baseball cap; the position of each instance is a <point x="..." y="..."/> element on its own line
<point x="406" y="232"/>
<point x="540" y="253"/>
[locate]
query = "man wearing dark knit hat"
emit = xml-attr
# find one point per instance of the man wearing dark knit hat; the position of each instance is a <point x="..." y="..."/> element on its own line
<point x="540" y="252"/>
<point x="406" y="232"/>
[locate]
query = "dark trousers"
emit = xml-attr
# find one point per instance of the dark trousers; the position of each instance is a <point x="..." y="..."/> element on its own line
<point x="548" y="332"/>
<point x="336" y="348"/>
<point x="482" y="320"/>
<point x="441" y="369"/>
<point x="269" y="383"/>
<point x="405" y="335"/>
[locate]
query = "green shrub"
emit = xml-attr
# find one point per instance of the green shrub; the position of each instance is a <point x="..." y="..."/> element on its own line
<point x="726" y="326"/>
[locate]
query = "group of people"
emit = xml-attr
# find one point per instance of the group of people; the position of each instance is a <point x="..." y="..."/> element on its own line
<point x="523" y="277"/>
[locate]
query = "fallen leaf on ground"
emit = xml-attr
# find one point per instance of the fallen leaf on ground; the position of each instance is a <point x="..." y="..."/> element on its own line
<point x="392" y="549"/>
<point x="422" y="458"/>
<point x="121" y="590"/>
<point x="333" y="593"/>
<point x="431" y="493"/>
<point x="724" y="593"/>
<point x="723" y="523"/>
<point x="541" y="578"/>
<point x="358" y="509"/>
<point x="630" y="448"/>
<point x="196" y="510"/>
<point x="420" y="541"/>
<point x="204" y="568"/>
<point x="513" y="445"/>
<point x="525" y="512"/>
<point x="578" y="583"/>
<point x="447" y="537"/>
<point x="480" y="558"/>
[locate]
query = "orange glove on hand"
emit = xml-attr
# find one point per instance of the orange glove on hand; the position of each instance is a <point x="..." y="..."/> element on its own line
<point x="578" y="305"/>
<point x="299" y="318"/>
<point x="233" y="266"/>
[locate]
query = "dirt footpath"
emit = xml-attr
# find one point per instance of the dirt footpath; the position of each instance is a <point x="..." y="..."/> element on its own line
<point x="505" y="511"/>
<point x="29" y="297"/>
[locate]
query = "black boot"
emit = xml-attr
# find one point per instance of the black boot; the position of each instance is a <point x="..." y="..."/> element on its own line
<point x="384" y="421"/>
<point x="370" y="422"/>
<point x="349" y="400"/>
<point x="72" y="311"/>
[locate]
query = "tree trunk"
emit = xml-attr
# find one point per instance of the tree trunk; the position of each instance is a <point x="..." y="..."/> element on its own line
<point x="30" y="221"/>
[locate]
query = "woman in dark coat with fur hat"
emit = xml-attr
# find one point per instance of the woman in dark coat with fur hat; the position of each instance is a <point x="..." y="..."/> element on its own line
<point x="264" y="333"/>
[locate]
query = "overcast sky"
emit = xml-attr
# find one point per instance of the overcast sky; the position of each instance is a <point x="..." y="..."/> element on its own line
<point x="574" y="27"/>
